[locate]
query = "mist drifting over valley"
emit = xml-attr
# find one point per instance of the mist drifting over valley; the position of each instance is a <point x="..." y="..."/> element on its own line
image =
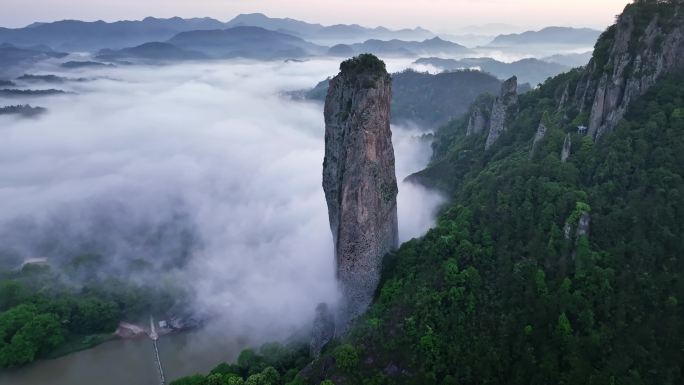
<point x="203" y="174"/>
<point x="378" y="193"/>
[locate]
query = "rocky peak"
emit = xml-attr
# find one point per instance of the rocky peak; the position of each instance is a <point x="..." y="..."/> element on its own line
<point x="505" y="105"/>
<point x="359" y="179"/>
<point x="646" y="43"/>
<point x="480" y="111"/>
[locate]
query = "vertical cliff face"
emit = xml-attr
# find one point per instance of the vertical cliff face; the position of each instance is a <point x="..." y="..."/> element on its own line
<point x="505" y="105"/>
<point x="646" y="43"/>
<point x="323" y="330"/>
<point x="477" y="123"/>
<point x="359" y="179"/>
<point x="538" y="137"/>
<point x="480" y="111"/>
<point x="567" y="146"/>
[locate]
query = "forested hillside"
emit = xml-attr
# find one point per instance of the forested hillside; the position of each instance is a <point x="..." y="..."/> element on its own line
<point x="44" y="315"/>
<point x="426" y="99"/>
<point x="497" y="293"/>
<point x="542" y="269"/>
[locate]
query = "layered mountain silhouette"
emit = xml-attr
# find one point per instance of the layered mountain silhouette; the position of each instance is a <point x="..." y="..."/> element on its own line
<point x="434" y="46"/>
<point x="151" y="51"/>
<point x="426" y="99"/>
<point x="247" y="42"/>
<point x="550" y="35"/>
<point x="533" y="71"/>
<point x="12" y="56"/>
<point x="321" y="33"/>
<point x="76" y="35"/>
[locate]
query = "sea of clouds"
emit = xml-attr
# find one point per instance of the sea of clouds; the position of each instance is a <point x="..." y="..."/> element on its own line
<point x="206" y="163"/>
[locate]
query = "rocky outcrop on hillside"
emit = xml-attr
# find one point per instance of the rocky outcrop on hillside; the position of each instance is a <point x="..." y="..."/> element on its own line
<point x="477" y="122"/>
<point x="480" y="112"/>
<point x="538" y="137"/>
<point x="646" y="43"/>
<point x="323" y="330"/>
<point x="567" y="146"/>
<point x="504" y="106"/>
<point x="583" y="225"/>
<point x="359" y="179"/>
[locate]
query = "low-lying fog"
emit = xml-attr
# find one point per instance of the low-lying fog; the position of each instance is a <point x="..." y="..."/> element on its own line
<point x="205" y="161"/>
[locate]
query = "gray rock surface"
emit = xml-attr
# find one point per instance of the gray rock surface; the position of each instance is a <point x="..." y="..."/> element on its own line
<point x="323" y="329"/>
<point x="478" y="122"/>
<point x="564" y="97"/>
<point x="583" y="225"/>
<point x="359" y="180"/>
<point x="505" y="105"/>
<point x="538" y="137"/>
<point x="633" y="63"/>
<point x="567" y="145"/>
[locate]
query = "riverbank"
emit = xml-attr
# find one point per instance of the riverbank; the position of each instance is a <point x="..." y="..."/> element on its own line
<point x="79" y="343"/>
<point x="131" y="361"/>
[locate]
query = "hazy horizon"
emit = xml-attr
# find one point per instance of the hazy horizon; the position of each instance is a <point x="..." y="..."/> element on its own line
<point x="442" y="16"/>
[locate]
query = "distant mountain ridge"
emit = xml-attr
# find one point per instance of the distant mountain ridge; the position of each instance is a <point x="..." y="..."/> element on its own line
<point x="424" y="99"/>
<point x="264" y="44"/>
<point x="318" y="32"/>
<point x="246" y="42"/>
<point x="12" y="56"/>
<point x="151" y="51"/>
<point x="76" y="35"/>
<point x="533" y="71"/>
<point x="550" y="35"/>
<point x="434" y="46"/>
<point x="570" y="59"/>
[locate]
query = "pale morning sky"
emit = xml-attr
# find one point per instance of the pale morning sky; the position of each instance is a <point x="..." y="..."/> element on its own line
<point x="437" y="15"/>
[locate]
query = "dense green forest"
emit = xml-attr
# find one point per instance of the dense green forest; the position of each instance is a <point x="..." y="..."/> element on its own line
<point x="506" y="288"/>
<point x="43" y="315"/>
<point x="429" y="100"/>
<point x="538" y="270"/>
<point x="497" y="294"/>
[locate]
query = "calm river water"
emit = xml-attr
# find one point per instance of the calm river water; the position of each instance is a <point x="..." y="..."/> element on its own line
<point x="130" y="362"/>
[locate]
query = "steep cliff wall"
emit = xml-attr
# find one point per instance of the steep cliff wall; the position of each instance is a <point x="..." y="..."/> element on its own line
<point x="359" y="179"/>
<point x="478" y="121"/>
<point x="646" y="43"/>
<point x="505" y="105"/>
<point x="538" y="137"/>
<point x="567" y="146"/>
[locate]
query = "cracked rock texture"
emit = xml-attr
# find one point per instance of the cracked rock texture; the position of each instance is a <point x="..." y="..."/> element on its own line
<point x="359" y="180"/>
<point x="505" y="105"/>
<point x="323" y="330"/>
<point x="630" y="57"/>
<point x="567" y="146"/>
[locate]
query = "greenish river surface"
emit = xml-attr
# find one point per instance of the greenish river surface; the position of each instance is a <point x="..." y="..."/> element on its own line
<point x="130" y="362"/>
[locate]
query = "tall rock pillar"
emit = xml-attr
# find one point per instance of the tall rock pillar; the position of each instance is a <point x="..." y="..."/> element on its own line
<point x="504" y="107"/>
<point x="359" y="179"/>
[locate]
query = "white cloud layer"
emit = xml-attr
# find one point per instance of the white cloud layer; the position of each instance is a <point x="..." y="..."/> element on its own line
<point x="211" y="151"/>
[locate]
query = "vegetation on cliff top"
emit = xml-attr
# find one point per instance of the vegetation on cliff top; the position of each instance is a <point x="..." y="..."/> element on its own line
<point x="429" y="100"/>
<point x="364" y="63"/>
